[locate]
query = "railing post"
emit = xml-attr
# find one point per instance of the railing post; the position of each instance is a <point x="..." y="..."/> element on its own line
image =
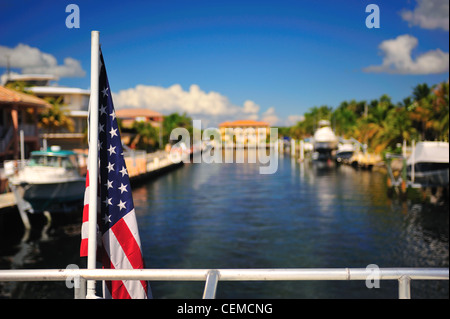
<point x="404" y="287"/>
<point x="211" y="284"/>
<point x="80" y="292"/>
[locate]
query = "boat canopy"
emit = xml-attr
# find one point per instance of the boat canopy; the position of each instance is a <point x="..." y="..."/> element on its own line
<point x="347" y="147"/>
<point x="430" y="152"/>
<point x="65" y="159"/>
<point x="325" y="134"/>
<point x="54" y="153"/>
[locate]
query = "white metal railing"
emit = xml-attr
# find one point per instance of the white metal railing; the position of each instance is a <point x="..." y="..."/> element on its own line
<point x="212" y="276"/>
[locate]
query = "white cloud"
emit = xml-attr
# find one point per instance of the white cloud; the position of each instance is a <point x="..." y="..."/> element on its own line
<point x="32" y="60"/>
<point x="294" y="119"/>
<point x="270" y="117"/>
<point x="211" y="107"/>
<point x="251" y="107"/>
<point x="429" y="14"/>
<point x="397" y="58"/>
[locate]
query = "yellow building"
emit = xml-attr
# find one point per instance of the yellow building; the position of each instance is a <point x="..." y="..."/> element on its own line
<point x="244" y="132"/>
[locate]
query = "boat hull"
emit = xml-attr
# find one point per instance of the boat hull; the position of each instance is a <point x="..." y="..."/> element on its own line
<point x="53" y="196"/>
<point x="344" y="157"/>
<point x="324" y="151"/>
<point x="431" y="178"/>
<point x="325" y="147"/>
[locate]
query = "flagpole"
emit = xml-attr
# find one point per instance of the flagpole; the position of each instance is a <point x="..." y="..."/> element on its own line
<point x="93" y="160"/>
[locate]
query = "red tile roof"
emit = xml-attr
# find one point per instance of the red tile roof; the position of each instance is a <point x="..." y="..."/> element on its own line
<point x="133" y="113"/>
<point x="244" y="123"/>
<point x="8" y="96"/>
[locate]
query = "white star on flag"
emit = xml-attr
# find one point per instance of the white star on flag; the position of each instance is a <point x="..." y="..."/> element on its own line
<point x="121" y="205"/>
<point x="107" y="219"/>
<point x="107" y="201"/>
<point x="102" y="110"/>
<point x="123" y="188"/>
<point x="109" y="184"/>
<point x="105" y="91"/>
<point x="123" y="171"/>
<point x="113" y="132"/>
<point x="112" y="150"/>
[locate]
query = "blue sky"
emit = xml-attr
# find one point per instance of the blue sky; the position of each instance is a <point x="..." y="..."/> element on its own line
<point x="219" y="60"/>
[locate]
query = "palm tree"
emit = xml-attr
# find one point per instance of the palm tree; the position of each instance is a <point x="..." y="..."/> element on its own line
<point x="396" y="127"/>
<point x="146" y="137"/>
<point x="429" y="111"/>
<point x="297" y="131"/>
<point x="421" y="91"/>
<point x="380" y="124"/>
<point x="440" y="106"/>
<point x="373" y="130"/>
<point x="18" y="86"/>
<point x="175" y="120"/>
<point x="56" y="118"/>
<point x="344" y="118"/>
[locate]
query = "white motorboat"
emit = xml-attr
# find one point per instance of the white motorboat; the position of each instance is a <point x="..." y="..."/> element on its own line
<point x="325" y="141"/>
<point x="50" y="179"/>
<point x="428" y="165"/>
<point x="344" y="152"/>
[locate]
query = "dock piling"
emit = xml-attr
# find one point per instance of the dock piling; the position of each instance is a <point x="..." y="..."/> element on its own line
<point x="23" y="206"/>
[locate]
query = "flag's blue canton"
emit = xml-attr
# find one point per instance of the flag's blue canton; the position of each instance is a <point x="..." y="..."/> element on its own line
<point x="115" y="192"/>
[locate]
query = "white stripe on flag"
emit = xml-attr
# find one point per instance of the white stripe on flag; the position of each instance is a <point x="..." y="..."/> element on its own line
<point x="130" y="220"/>
<point x="120" y="261"/>
<point x="86" y="196"/>
<point x="84" y="230"/>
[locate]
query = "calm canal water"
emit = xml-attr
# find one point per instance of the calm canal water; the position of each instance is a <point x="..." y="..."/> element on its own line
<point x="230" y="216"/>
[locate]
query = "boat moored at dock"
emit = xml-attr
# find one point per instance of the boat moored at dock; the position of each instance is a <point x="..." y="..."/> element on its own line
<point x="344" y="152"/>
<point x="49" y="180"/>
<point x="428" y="165"/>
<point x="325" y="142"/>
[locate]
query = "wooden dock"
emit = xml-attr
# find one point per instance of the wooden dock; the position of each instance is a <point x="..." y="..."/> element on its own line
<point x="365" y="160"/>
<point x="7" y="200"/>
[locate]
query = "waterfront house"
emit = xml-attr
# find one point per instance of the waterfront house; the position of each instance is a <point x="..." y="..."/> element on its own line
<point x="18" y="112"/>
<point x="244" y="132"/>
<point x="74" y="100"/>
<point x="129" y="116"/>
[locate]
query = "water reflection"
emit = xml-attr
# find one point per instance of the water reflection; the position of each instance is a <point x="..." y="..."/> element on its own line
<point x="230" y="216"/>
<point x="46" y="246"/>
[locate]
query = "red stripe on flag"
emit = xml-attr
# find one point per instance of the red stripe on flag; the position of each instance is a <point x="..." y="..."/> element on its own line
<point x="86" y="213"/>
<point x="130" y="247"/>
<point x="84" y="238"/>
<point x="84" y="247"/>
<point x="128" y="243"/>
<point x="116" y="288"/>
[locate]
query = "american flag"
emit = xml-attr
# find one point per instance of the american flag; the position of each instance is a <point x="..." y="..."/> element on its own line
<point x="118" y="243"/>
